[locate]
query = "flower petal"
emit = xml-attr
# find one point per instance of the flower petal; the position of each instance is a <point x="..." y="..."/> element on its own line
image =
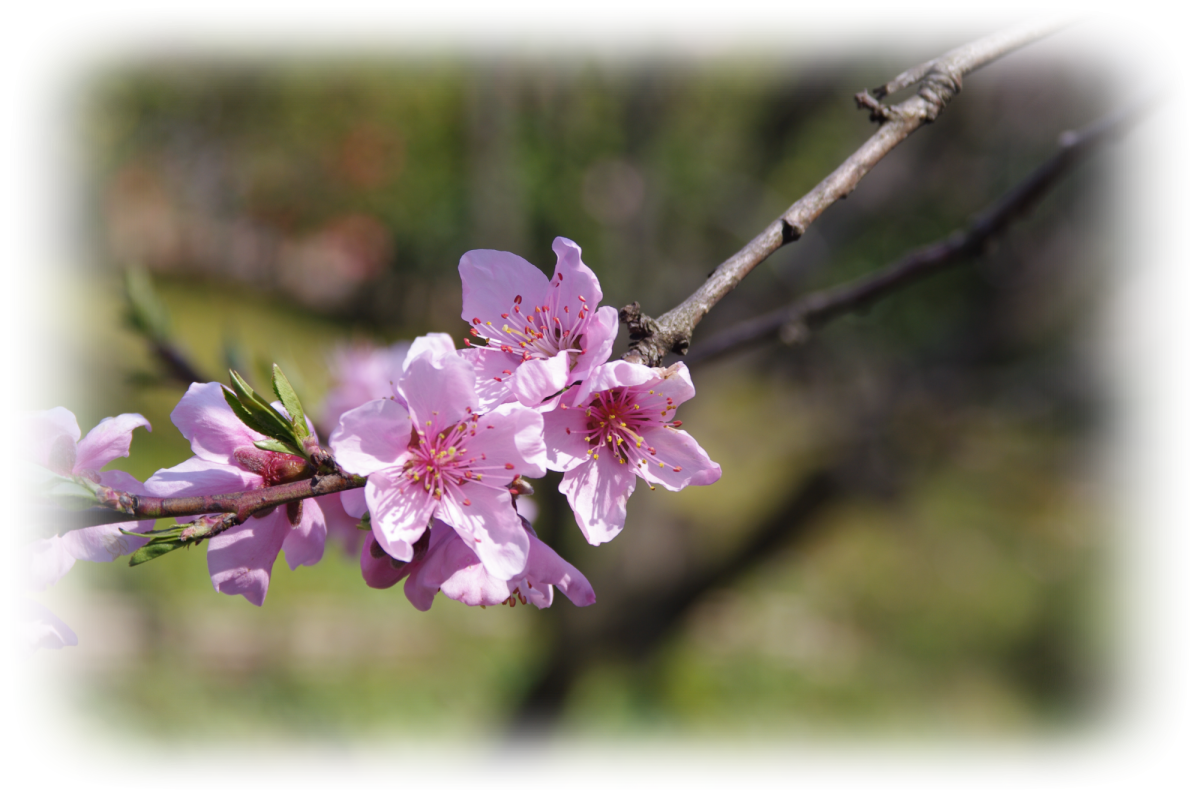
<point x="436" y="343"/>
<point x="240" y="560"/>
<point x="400" y="511"/>
<point x="677" y="449"/>
<point x="305" y="544"/>
<point x="537" y="380"/>
<point x="566" y="439"/>
<point x="340" y="526"/>
<point x="492" y="280"/>
<point x="371" y="437"/>
<point x="205" y="419"/>
<point x="49" y="439"/>
<point x="110" y="439"/>
<point x="47" y="561"/>
<point x="577" y="279"/>
<point x="493" y="376"/>
<point x="512" y="434"/>
<point x="598" y="339"/>
<point x="597" y="492"/>
<point x="547" y="567"/>
<point x="489" y="526"/>
<point x="354" y="502"/>
<point x="198" y="476"/>
<point x="44" y="630"/>
<point x="445" y="555"/>
<point x="379" y="573"/>
<point x="438" y="390"/>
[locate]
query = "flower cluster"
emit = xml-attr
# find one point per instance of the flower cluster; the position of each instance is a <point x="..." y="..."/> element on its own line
<point x="444" y="439"/>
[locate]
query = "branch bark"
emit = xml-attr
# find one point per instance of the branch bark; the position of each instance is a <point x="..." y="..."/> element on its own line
<point x="796" y="321"/>
<point x="938" y="80"/>
<point x="116" y="505"/>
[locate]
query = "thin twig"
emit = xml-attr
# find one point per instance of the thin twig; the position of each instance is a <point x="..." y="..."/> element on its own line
<point x="116" y="506"/>
<point x="940" y="81"/>
<point x="797" y="320"/>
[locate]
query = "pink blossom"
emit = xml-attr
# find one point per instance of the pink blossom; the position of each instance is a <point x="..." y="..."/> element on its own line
<point x="440" y="457"/>
<point x="442" y="561"/>
<point x="539" y="335"/>
<point x="226" y="461"/>
<point x="51" y="438"/>
<point x="617" y="425"/>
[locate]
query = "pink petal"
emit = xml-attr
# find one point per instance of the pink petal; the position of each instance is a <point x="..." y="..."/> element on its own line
<point x="240" y="560"/>
<point x="341" y="527"/>
<point x="578" y="280"/>
<point x="538" y="379"/>
<point x="371" y="437"/>
<point x="474" y="586"/>
<point x="621" y="374"/>
<point x="110" y="439"/>
<point x="198" y="476"/>
<point x="47" y="561"/>
<point x="512" y="434"/>
<point x="354" y="502"/>
<point x="206" y="420"/>
<point x="42" y="629"/>
<point x="438" y="390"/>
<point x="597" y="342"/>
<point x="677" y="449"/>
<point x="597" y="492"/>
<point x="489" y="526"/>
<point x="400" y="511"/>
<point x="436" y="343"/>
<point x="565" y="449"/>
<point x="492" y="280"/>
<point x="493" y="385"/>
<point x="305" y="544"/>
<point x="447" y="555"/>
<point x="49" y="439"/>
<point x="379" y="573"/>
<point x="547" y="567"/>
<point x="361" y="373"/>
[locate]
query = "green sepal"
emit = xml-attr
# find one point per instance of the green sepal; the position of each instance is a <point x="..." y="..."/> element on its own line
<point x="291" y="402"/>
<point x="153" y="550"/>
<point x="278" y="447"/>
<point x="365" y="523"/>
<point x="70" y="492"/>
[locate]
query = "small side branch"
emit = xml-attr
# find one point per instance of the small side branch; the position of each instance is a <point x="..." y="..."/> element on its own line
<point x="939" y="81"/>
<point x="796" y="321"/>
<point x="216" y="512"/>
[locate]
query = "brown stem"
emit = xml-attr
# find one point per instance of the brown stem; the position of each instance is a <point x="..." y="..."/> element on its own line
<point x="940" y="80"/>
<point x="795" y="321"/>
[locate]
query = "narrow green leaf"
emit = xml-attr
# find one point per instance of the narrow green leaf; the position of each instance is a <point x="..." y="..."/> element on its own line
<point x="73" y="493"/>
<point x="291" y="402"/>
<point x="278" y="446"/>
<point x="154" y="550"/>
<point x="263" y="418"/>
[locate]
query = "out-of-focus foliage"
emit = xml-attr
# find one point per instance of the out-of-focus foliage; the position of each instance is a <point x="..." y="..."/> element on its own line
<point x="282" y="209"/>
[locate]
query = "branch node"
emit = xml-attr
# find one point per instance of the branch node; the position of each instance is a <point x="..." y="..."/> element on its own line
<point x="789" y="232"/>
<point x="641" y="326"/>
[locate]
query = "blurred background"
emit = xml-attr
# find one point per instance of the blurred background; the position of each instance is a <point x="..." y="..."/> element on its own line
<point x="911" y="535"/>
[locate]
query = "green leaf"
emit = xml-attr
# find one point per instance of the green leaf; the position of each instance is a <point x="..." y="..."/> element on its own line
<point x="154" y="550"/>
<point x="291" y="402"/>
<point x="258" y="414"/>
<point x="70" y="492"/>
<point x="277" y="446"/>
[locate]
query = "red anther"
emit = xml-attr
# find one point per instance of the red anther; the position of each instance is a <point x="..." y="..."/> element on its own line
<point x="676" y="424"/>
<point x="557" y="321"/>
<point x="508" y="466"/>
<point x="568" y="428"/>
<point x="540" y="336"/>
<point x="484" y="456"/>
<point x="582" y="314"/>
<point x="466" y="341"/>
<point x="583" y="300"/>
<point x="475" y="332"/>
<point x="504" y="315"/>
<point x="566" y="309"/>
<point x="583" y="351"/>
<point x="677" y="469"/>
<point x="466" y="502"/>
<point x="517" y="300"/>
<point x="506" y="371"/>
<point x="476" y="321"/>
<point x="560" y="276"/>
<point x="652" y="451"/>
<point x="529" y="318"/>
<point x="514" y="491"/>
<point x="498" y="379"/>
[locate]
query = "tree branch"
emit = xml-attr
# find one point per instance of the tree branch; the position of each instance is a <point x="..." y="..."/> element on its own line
<point x="797" y="320"/>
<point x="228" y="509"/>
<point x="939" y="81"/>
